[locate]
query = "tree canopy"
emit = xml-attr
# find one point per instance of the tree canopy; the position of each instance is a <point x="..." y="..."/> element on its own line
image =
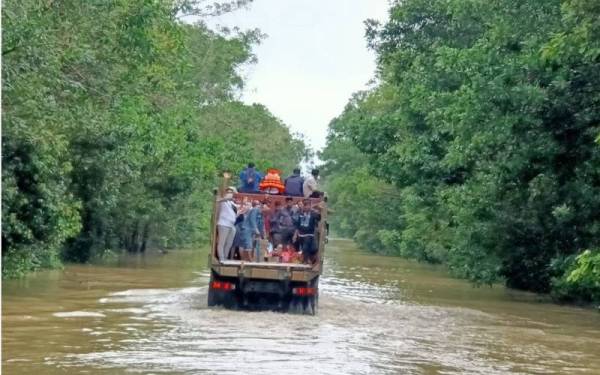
<point x="478" y="145"/>
<point x="117" y="119"/>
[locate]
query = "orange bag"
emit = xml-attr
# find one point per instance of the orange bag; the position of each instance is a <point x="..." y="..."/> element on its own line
<point x="272" y="181"/>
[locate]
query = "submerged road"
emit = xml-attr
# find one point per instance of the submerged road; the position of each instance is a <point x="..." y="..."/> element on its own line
<point x="377" y="315"/>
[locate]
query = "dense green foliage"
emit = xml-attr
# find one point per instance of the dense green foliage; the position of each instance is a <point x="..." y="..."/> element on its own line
<point x="117" y="118"/>
<point x="477" y="147"/>
<point x="581" y="281"/>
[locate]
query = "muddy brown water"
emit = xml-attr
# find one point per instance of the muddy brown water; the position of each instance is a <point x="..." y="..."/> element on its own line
<point x="377" y="315"/>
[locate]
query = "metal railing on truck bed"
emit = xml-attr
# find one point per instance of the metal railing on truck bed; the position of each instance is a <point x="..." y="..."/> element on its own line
<point x="270" y="270"/>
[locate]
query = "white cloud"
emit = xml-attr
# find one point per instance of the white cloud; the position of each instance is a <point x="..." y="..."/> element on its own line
<point x="313" y="59"/>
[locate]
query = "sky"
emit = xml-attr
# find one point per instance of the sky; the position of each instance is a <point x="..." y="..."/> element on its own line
<point x="312" y="60"/>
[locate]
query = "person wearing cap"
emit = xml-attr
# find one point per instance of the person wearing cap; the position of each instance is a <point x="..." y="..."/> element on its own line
<point x="227" y="215"/>
<point x="310" y="186"/>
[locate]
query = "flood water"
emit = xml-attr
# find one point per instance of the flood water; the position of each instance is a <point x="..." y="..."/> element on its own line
<point x="377" y="315"/>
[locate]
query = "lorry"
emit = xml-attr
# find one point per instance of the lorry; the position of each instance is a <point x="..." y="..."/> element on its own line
<point x="265" y="284"/>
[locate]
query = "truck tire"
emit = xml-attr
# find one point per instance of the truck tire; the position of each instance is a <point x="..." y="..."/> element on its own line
<point x="313" y="302"/>
<point x="314" y="305"/>
<point x="210" y="302"/>
<point x="229" y="300"/>
<point x="296" y="306"/>
<point x="304" y="305"/>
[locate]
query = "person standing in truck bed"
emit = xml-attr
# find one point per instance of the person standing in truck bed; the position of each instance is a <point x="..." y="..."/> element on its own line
<point x="250" y="231"/>
<point x="305" y="232"/>
<point x="287" y="219"/>
<point x="259" y="209"/>
<point x="274" y="227"/>
<point x="226" y="224"/>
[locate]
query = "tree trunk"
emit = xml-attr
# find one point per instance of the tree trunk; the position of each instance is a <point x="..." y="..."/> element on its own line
<point x="145" y="237"/>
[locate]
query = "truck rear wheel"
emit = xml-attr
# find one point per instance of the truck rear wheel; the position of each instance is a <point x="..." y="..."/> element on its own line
<point x="306" y="305"/>
<point x="313" y="301"/>
<point x="315" y="304"/>
<point x="227" y="298"/>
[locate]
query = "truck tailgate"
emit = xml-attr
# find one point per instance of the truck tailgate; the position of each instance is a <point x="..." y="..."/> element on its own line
<point x="268" y="271"/>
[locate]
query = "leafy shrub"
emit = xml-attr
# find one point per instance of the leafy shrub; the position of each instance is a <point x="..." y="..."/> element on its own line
<point x="580" y="281"/>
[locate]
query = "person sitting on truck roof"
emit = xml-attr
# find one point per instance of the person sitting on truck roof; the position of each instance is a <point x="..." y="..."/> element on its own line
<point x="226" y="223"/>
<point x="310" y="186"/>
<point x="293" y="184"/>
<point x="272" y="184"/>
<point x="250" y="179"/>
<point x="305" y="232"/>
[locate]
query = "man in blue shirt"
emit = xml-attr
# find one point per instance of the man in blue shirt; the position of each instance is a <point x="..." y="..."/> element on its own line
<point x="250" y="179"/>
<point x="249" y="231"/>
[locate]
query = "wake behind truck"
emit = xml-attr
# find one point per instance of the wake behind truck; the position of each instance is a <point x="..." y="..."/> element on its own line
<point x="266" y="284"/>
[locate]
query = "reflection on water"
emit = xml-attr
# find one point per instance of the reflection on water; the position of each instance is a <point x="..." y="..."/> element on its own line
<point x="377" y="315"/>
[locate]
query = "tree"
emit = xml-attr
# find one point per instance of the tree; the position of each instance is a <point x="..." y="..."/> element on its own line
<point x="111" y="112"/>
<point x="486" y="127"/>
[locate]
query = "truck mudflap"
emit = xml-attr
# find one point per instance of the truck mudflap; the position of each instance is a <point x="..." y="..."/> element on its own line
<point x="283" y="295"/>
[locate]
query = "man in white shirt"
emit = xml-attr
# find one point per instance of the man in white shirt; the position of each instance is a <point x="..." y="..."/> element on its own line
<point x="310" y="186"/>
<point x="226" y="224"/>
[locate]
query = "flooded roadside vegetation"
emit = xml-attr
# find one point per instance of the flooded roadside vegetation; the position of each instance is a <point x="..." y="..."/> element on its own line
<point x="377" y="314"/>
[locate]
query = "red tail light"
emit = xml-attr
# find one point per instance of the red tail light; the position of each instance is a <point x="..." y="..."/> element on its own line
<point x="222" y="285"/>
<point x="302" y="292"/>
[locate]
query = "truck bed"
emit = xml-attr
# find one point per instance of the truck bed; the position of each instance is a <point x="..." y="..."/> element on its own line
<point x="287" y="287"/>
<point x="265" y="270"/>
